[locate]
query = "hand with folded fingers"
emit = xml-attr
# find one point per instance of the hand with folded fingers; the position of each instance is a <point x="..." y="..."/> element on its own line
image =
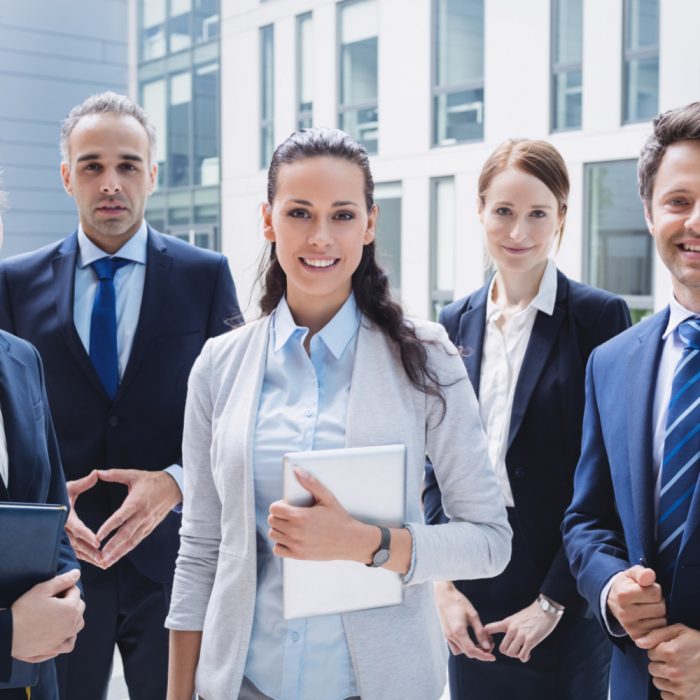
<point x="523" y="631"/>
<point x="637" y="602"/>
<point x="458" y="616"/>
<point x="674" y="660"/>
<point x="82" y="538"/>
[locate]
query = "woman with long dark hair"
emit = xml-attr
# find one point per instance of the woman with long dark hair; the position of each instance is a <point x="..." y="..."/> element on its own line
<point x="525" y="337"/>
<point x="331" y="363"/>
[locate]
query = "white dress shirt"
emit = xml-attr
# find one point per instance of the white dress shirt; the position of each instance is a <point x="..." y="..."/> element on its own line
<point x="670" y="355"/>
<point x="4" y="468"/>
<point x="502" y="358"/>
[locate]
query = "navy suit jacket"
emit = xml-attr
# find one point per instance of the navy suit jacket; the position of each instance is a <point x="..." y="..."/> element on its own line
<point x="188" y="297"/>
<point x="545" y="429"/>
<point x="610" y="524"/>
<point x="34" y="465"/>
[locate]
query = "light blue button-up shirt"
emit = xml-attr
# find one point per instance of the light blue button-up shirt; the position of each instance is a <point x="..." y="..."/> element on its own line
<point x="128" y="287"/>
<point x="303" y="406"/>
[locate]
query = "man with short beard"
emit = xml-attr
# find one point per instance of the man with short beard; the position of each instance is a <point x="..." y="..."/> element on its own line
<point x="119" y="312"/>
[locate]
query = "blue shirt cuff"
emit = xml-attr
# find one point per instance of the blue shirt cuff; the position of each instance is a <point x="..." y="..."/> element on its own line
<point x="409" y="574"/>
<point x="175" y="470"/>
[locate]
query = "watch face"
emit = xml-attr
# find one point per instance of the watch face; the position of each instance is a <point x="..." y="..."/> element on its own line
<point x="381" y="557"/>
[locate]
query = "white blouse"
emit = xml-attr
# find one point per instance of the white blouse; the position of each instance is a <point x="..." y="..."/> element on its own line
<point x="503" y="353"/>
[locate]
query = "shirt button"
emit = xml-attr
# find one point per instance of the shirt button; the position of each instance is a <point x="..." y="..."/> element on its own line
<point x="309" y="413"/>
<point x="113" y="421"/>
<point x="294" y="636"/>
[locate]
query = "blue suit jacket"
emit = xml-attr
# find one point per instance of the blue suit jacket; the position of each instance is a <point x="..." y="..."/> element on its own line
<point x="545" y="429"/>
<point x="188" y="297"/>
<point x="610" y="524"/>
<point x="34" y="465"/>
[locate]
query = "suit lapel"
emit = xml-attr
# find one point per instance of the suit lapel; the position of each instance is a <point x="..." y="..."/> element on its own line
<point x="542" y="339"/>
<point x="470" y="336"/>
<point x="642" y="369"/>
<point x="64" y="287"/>
<point x="14" y="399"/>
<point x="155" y="292"/>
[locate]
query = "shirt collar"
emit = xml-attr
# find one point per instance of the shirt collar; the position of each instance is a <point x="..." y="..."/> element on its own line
<point x="544" y="300"/>
<point x="134" y="249"/>
<point x="677" y="315"/>
<point x="336" y="334"/>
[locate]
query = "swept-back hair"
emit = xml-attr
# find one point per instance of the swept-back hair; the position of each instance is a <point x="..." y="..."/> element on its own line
<point x="370" y="282"/>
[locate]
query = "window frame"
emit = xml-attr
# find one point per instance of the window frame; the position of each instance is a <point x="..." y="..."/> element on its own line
<point x="556" y="69"/>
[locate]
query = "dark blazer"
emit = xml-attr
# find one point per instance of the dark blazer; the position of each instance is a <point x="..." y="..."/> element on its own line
<point x="188" y="297"/>
<point x="34" y="465"/>
<point x="610" y="524"/>
<point x="545" y="429"/>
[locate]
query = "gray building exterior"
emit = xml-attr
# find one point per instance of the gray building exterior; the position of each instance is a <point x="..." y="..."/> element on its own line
<point x="52" y="56"/>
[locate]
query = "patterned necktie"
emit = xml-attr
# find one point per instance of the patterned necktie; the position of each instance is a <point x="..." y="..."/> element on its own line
<point x="681" y="462"/>
<point x="103" y="325"/>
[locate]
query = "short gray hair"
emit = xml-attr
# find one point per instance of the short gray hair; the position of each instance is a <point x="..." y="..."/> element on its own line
<point x="108" y="103"/>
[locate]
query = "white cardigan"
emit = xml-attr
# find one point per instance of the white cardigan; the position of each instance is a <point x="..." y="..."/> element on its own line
<point x="398" y="652"/>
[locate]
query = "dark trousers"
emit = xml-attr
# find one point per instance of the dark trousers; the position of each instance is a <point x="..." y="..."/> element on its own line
<point x="572" y="663"/>
<point x="125" y="608"/>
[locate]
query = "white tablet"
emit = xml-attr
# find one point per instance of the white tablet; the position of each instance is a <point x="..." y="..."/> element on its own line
<point x="370" y="483"/>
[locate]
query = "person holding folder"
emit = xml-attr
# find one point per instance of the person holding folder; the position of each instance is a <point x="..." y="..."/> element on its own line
<point x="525" y="337"/>
<point x="44" y="621"/>
<point x="332" y="362"/>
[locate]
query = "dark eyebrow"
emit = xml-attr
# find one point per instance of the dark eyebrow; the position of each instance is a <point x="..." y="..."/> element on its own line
<point x="96" y="156"/>
<point x="345" y="203"/>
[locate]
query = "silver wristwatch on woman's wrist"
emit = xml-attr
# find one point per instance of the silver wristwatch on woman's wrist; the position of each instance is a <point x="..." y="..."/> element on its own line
<point x="549" y="606"/>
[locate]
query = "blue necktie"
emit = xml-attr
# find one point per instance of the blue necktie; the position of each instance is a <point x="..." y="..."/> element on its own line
<point x="681" y="462"/>
<point x="103" y="325"/>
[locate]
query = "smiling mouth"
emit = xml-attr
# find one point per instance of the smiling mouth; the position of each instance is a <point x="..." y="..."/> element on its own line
<point x="689" y="248"/>
<point x="319" y="264"/>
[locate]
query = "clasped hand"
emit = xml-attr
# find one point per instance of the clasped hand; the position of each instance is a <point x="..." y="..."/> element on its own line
<point x="636" y="600"/>
<point x="152" y="495"/>
<point x="522" y="631"/>
<point x="319" y="532"/>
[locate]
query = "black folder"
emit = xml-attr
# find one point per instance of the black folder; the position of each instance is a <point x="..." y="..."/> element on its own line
<point x="30" y="541"/>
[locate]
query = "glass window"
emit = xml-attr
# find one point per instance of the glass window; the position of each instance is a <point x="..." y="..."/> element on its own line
<point x="206" y="20"/>
<point x="358" y="109"/>
<point x="153" y="99"/>
<point x="458" y="73"/>
<point x="179" y="129"/>
<point x="388" y="239"/>
<point x="620" y="249"/>
<point x="206" y="124"/>
<point x="152" y="29"/>
<point x="305" y="100"/>
<point x="567" y="66"/>
<point x="442" y="244"/>
<point x="267" y="89"/>
<point x="641" y="69"/>
<point x="179" y="25"/>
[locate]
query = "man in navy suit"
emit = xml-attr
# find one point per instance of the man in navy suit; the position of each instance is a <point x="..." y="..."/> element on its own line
<point x="118" y="313"/>
<point x="631" y="531"/>
<point x="45" y="620"/>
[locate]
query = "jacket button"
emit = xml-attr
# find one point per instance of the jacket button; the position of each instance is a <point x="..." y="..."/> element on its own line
<point x="113" y="421"/>
<point x="519" y="472"/>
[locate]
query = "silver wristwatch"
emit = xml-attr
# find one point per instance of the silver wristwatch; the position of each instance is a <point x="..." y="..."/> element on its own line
<point x="549" y="606"/>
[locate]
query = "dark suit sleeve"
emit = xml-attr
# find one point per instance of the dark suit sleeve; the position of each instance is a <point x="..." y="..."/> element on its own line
<point x="7" y="322"/>
<point x="5" y="644"/>
<point x="224" y="311"/>
<point x="592" y="531"/>
<point x="57" y="485"/>
<point x="559" y="584"/>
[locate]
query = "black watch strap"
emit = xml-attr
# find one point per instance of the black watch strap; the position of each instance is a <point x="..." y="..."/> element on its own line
<point x="381" y="556"/>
